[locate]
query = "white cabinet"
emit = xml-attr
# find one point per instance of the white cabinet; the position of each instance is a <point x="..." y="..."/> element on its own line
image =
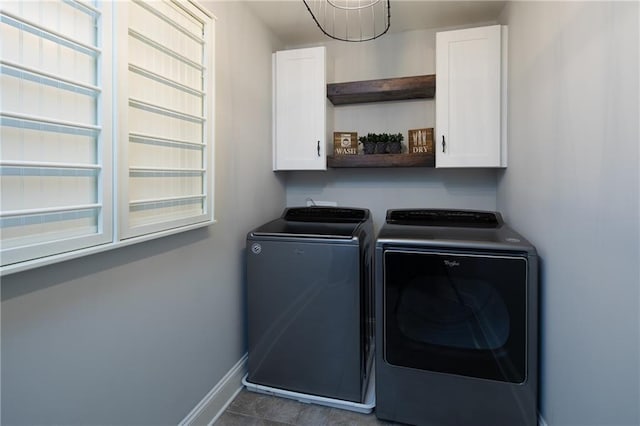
<point x="299" y="109"/>
<point x="471" y="97"/>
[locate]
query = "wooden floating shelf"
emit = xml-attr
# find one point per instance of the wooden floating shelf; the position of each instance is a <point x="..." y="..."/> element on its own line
<point x="388" y="89"/>
<point x="382" y="160"/>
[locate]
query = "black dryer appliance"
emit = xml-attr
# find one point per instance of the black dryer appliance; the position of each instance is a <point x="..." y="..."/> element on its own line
<point x="456" y="320"/>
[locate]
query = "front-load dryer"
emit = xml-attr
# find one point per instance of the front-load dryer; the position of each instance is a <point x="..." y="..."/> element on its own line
<point x="456" y="320"/>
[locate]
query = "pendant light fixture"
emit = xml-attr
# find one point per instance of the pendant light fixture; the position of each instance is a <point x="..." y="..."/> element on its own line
<point x="351" y="20"/>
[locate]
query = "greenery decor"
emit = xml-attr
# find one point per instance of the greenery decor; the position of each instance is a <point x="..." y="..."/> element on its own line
<point x="382" y="143"/>
<point x="368" y="143"/>
<point x="395" y="143"/>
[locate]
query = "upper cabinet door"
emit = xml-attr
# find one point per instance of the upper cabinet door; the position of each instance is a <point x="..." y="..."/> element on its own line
<point x="471" y="97"/>
<point x="299" y="139"/>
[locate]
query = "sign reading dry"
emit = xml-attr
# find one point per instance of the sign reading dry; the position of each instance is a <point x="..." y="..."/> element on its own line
<point x="421" y="141"/>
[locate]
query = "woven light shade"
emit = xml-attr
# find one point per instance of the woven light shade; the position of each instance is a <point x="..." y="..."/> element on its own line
<point x="351" y="20"/>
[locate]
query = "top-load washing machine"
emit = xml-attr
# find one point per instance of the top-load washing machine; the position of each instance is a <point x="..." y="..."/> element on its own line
<point x="457" y="320"/>
<point x="310" y="302"/>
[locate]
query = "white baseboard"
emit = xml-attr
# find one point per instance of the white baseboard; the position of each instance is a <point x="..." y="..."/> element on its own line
<point x="207" y="411"/>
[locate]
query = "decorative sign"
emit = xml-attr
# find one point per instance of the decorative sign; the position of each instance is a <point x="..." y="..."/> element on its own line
<point x="421" y="141"/>
<point x="345" y="143"/>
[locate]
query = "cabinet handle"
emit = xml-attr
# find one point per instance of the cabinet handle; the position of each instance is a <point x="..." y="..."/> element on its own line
<point x="318" y="148"/>
<point x="443" y="143"/>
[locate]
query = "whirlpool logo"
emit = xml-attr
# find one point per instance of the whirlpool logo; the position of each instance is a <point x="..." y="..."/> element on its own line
<point x="451" y="263"/>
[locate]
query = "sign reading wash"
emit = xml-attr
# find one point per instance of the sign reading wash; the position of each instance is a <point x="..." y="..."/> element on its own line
<point x="345" y="143"/>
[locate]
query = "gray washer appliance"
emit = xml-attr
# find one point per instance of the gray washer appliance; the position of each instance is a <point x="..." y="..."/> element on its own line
<point x="456" y="320"/>
<point x="310" y="302"/>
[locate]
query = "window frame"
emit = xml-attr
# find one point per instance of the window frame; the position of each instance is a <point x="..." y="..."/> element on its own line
<point x="111" y="220"/>
<point x="103" y="128"/>
<point x="125" y="230"/>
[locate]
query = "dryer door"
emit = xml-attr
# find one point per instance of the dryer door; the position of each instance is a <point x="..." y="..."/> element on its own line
<point x="456" y="313"/>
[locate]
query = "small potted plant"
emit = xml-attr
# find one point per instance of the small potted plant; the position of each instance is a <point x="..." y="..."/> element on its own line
<point x="381" y="143"/>
<point x="368" y="143"/>
<point x="395" y="143"/>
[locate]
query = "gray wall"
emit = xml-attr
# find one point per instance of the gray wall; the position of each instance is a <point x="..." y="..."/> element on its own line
<point x="394" y="55"/>
<point x="572" y="188"/>
<point x="139" y="335"/>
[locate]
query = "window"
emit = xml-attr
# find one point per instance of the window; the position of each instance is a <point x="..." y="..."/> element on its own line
<point x="55" y="129"/>
<point x="78" y="155"/>
<point x="163" y="126"/>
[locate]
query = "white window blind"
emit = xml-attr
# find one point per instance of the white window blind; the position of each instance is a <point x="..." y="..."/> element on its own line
<point x="55" y="128"/>
<point x="84" y="166"/>
<point x="165" y="121"/>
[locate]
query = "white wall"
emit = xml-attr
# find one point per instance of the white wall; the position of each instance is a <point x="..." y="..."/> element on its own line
<point x="140" y="334"/>
<point x="394" y="55"/>
<point x="572" y="188"/>
<point x="382" y="189"/>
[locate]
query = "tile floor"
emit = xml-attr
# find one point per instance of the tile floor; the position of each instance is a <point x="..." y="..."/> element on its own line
<point x="254" y="409"/>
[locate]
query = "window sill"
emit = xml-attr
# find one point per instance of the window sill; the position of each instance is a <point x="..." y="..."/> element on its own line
<point x="62" y="257"/>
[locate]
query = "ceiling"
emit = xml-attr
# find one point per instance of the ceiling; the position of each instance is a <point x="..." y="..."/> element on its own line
<point x="293" y="25"/>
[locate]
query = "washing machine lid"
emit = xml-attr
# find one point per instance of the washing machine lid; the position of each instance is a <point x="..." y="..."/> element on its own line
<point x="323" y="214"/>
<point x="316" y="222"/>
